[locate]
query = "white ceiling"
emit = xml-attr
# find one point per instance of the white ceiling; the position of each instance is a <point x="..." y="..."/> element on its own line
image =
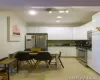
<point x="75" y="17"/>
<point x="80" y="11"/>
<point x="24" y="3"/>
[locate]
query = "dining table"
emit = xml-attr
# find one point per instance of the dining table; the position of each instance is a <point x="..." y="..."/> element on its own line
<point x="55" y="54"/>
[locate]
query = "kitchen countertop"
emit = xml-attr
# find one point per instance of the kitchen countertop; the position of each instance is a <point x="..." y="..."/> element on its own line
<point x="61" y="46"/>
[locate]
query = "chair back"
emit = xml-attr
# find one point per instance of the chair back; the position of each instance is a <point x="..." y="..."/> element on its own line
<point x="43" y="56"/>
<point x="22" y="56"/>
<point x="59" y="54"/>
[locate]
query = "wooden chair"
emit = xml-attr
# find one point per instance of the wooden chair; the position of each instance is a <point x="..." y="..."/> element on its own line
<point x="59" y="57"/>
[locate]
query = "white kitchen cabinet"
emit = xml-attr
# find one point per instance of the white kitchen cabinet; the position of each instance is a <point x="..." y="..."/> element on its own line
<point x="64" y="33"/>
<point x="59" y="33"/>
<point x="32" y="30"/>
<point x="54" y="33"/>
<point x="42" y="30"/>
<point x="77" y="33"/>
<point x="71" y="51"/>
<point x="90" y="58"/>
<point x="66" y="51"/>
<point x="96" y="51"/>
<point x="62" y="49"/>
<point x="80" y="33"/>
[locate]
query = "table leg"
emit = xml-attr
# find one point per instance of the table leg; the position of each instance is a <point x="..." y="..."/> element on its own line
<point x="5" y="66"/>
<point x="8" y="73"/>
<point x="57" y="61"/>
<point x="17" y="67"/>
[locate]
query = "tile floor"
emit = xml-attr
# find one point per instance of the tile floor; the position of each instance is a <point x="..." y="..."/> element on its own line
<point x="73" y="71"/>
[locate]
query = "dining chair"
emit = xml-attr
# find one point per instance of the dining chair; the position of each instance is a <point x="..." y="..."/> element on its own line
<point x="42" y="56"/>
<point x="23" y="57"/>
<point x="59" y="57"/>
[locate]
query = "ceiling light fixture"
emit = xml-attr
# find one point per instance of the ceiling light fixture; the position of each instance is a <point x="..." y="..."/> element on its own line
<point x="67" y="11"/>
<point x="32" y="12"/>
<point x="61" y="11"/>
<point x="59" y="17"/>
<point x="57" y="21"/>
<point x="50" y="12"/>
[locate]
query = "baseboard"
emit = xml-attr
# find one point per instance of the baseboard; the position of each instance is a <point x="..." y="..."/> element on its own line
<point x="87" y="66"/>
<point x="82" y="62"/>
<point x="93" y="70"/>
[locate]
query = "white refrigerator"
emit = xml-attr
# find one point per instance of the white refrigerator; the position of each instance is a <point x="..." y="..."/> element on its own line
<point x="96" y="51"/>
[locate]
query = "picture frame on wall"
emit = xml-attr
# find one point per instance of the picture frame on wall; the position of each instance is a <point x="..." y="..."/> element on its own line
<point x="13" y="30"/>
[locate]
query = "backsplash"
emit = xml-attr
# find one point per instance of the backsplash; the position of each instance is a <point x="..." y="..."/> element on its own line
<point x="61" y="43"/>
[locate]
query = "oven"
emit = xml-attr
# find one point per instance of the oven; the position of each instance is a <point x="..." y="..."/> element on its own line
<point x="82" y="55"/>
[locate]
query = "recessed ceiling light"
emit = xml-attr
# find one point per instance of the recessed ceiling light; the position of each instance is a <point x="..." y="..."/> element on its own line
<point x="32" y="12"/>
<point x="57" y="21"/>
<point x="61" y="11"/>
<point x="59" y="17"/>
<point x="67" y="11"/>
<point x="50" y="12"/>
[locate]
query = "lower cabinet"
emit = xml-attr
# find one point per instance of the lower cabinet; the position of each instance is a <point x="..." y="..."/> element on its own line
<point x="66" y="51"/>
<point x="89" y="59"/>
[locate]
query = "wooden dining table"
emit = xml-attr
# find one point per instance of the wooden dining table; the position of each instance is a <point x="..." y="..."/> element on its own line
<point x="53" y="53"/>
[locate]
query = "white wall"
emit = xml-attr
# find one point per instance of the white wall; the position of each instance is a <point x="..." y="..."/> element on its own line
<point x="10" y="47"/>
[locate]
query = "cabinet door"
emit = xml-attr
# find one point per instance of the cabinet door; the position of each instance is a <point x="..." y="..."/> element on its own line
<point x="55" y="49"/>
<point x="96" y="51"/>
<point x="32" y="30"/>
<point x="59" y="33"/>
<point x="71" y="51"/>
<point x="66" y="51"/>
<point x="89" y="59"/>
<point x="54" y="33"/>
<point x="79" y="33"/>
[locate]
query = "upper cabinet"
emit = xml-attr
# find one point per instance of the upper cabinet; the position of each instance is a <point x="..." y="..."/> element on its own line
<point x="54" y="33"/>
<point x="59" y="33"/>
<point x="64" y="33"/>
<point x="80" y="33"/>
<point x="32" y="29"/>
<point x="77" y="33"/>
